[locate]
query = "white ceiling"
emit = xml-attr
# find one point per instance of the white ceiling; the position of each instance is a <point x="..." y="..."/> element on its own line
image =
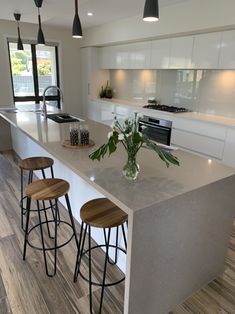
<point x="60" y="12"/>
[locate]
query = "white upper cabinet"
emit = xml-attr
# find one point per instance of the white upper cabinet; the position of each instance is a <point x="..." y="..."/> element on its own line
<point x="160" y="54"/>
<point x="129" y="56"/>
<point x="140" y="55"/>
<point x="227" y="56"/>
<point x="206" y="51"/>
<point x="107" y="57"/>
<point x="181" y="53"/>
<point x="121" y="57"/>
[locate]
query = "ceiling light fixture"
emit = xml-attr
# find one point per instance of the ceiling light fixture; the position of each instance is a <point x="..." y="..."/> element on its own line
<point x="151" y="11"/>
<point x="90" y="14"/>
<point x="77" y="28"/>
<point x="40" y="39"/>
<point x="19" y="41"/>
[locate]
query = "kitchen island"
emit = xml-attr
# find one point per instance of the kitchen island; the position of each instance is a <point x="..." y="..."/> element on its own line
<point x="179" y="219"/>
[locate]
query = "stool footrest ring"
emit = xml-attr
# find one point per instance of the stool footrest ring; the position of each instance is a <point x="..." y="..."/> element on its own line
<point x="97" y="283"/>
<point x="53" y="248"/>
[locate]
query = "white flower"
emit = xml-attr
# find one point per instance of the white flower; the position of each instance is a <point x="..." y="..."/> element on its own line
<point x="121" y="137"/>
<point x="139" y="115"/>
<point x="110" y="134"/>
<point x="143" y="127"/>
<point x="129" y="134"/>
<point x="113" y="124"/>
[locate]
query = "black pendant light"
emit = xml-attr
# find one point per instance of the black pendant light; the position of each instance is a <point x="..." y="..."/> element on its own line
<point x="77" y="28"/>
<point x="40" y="39"/>
<point x="151" y="11"/>
<point x="19" y="41"/>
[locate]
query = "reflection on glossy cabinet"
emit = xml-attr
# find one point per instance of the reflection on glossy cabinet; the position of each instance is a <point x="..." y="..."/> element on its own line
<point x="141" y="55"/>
<point x="160" y="54"/>
<point x="227" y="56"/>
<point x="206" y="51"/>
<point x="181" y="52"/>
<point x="229" y="148"/>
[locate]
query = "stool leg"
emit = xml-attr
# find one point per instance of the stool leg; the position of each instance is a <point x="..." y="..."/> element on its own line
<point x="21" y="199"/>
<point x="52" y="172"/>
<point x="124" y="236"/>
<point x="116" y="245"/>
<point x="27" y="226"/>
<point x="81" y="251"/>
<point x="45" y="213"/>
<point x="77" y="265"/>
<point x="71" y="218"/>
<point x="43" y="243"/>
<point x="105" y="268"/>
<point x="90" y="284"/>
<point x="51" y="205"/>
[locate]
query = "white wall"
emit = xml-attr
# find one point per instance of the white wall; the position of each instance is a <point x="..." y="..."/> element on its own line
<point x="68" y="56"/>
<point x="183" y="18"/>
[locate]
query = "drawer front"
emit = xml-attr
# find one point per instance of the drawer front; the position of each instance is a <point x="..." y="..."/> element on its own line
<point x="197" y="143"/>
<point x="203" y="128"/>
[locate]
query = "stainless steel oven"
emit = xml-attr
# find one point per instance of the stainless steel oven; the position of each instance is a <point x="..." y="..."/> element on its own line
<point x="158" y="130"/>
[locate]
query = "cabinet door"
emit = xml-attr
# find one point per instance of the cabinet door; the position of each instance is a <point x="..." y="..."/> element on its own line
<point x="160" y="54"/>
<point x="140" y="55"/>
<point x="94" y="111"/>
<point x="206" y="51"/>
<point x="229" y="148"/>
<point x="227" y="56"/>
<point x="121" y="57"/>
<point x="198" y="143"/>
<point x="107" y="57"/>
<point x="181" y="52"/>
<point x="107" y="112"/>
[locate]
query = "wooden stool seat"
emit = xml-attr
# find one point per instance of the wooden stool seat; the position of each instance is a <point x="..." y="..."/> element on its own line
<point x="102" y="213"/>
<point x="47" y="189"/>
<point x="36" y="163"/>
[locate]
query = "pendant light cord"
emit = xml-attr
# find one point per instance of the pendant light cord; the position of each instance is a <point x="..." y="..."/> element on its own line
<point x="76" y="6"/>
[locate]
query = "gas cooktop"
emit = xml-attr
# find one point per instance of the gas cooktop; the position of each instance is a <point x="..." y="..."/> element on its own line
<point x="166" y="108"/>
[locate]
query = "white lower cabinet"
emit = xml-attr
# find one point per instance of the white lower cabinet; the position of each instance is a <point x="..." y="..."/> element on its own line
<point x="198" y="143"/>
<point x="102" y="112"/>
<point x="229" y="148"/>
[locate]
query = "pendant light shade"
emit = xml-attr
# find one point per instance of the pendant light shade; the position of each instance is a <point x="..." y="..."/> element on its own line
<point x="19" y="41"/>
<point x="40" y="37"/>
<point x="151" y="11"/>
<point x="77" y="28"/>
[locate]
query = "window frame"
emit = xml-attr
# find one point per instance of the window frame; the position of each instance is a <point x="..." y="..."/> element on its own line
<point x="36" y="98"/>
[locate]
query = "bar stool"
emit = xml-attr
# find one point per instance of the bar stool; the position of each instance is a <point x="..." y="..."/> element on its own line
<point x="99" y="213"/>
<point x="30" y="165"/>
<point x="48" y="190"/>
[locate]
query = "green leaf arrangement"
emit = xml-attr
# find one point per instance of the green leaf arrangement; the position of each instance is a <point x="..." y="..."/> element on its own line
<point x="132" y="139"/>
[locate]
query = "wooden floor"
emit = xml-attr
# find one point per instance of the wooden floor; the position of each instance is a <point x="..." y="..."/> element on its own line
<point x="25" y="289"/>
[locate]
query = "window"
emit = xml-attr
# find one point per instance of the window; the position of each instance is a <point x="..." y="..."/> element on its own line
<point x="32" y="70"/>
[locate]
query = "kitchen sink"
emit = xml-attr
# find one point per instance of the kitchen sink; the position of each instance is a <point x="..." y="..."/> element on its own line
<point x="62" y="117"/>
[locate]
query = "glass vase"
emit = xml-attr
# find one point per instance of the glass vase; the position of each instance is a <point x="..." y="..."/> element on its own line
<point x="131" y="168"/>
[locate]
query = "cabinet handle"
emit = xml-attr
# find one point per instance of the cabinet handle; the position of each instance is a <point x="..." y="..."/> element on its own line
<point x="88" y="88"/>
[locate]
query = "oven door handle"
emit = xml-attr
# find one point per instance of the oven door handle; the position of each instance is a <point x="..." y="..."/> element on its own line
<point x="154" y="126"/>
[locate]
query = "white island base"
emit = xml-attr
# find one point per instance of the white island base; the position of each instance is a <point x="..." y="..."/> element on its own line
<point x="179" y="219"/>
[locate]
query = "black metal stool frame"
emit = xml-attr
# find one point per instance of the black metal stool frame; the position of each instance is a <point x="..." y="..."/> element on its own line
<point x="81" y="253"/>
<point x="23" y="210"/>
<point x="55" y="221"/>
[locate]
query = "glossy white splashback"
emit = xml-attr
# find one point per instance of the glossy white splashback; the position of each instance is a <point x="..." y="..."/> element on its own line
<point x="208" y="91"/>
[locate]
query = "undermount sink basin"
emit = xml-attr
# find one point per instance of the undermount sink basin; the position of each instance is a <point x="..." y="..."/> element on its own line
<point x="63" y="118"/>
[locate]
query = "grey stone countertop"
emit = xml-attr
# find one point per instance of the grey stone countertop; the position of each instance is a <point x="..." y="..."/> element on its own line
<point x="155" y="183"/>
